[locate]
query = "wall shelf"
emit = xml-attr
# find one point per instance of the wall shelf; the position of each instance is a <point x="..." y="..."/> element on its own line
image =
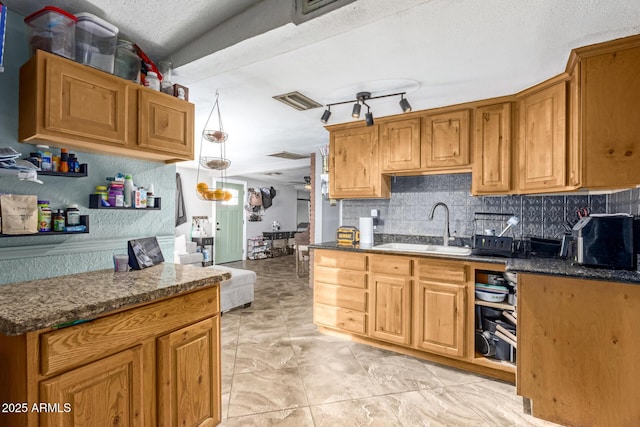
<point x="83" y="172"/>
<point x="84" y="220"/>
<point x="94" y="203"/>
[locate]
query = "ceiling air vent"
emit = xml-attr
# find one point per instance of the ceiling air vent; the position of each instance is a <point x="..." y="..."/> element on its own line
<point x="289" y="156"/>
<point x="298" y="101"/>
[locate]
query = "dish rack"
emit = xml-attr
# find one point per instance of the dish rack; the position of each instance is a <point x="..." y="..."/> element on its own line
<point x="491" y="245"/>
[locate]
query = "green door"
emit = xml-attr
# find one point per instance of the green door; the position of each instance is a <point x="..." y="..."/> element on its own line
<point x="229" y="226"/>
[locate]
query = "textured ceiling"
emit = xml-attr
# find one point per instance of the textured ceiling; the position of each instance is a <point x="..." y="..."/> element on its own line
<point x="443" y="51"/>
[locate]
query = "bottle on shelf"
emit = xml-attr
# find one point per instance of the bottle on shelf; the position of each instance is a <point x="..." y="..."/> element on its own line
<point x="72" y="216"/>
<point x="59" y="221"/>
<point x="128" y="190"/>
<point x="152" y="81"/>
<point x="64" y="160"/>
<point x="44" y="216"/>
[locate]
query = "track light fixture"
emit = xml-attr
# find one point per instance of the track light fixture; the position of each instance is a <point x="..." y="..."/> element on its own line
<point x="369" y="117"/>
<point x="361" y="98"/>
<point x="326" y="115"/>
<point x="404" y="104"/>
<point x="355" y="113"/>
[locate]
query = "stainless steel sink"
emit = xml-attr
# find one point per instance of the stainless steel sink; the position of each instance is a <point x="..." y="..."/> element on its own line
<point x="425" y="249"/>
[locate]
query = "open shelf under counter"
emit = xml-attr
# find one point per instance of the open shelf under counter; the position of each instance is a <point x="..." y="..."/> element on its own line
<point x="502" y="305"/>
<point x="501" y="365"/>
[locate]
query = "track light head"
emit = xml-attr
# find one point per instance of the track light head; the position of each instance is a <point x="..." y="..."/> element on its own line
<point x="356" y="110"/>
<point x="369" y="118"/>
<point x="404" y="104"/>
<point x="325" y="116"/>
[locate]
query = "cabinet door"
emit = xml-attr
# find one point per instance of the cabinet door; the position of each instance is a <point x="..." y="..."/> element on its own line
<point x="439" y="321"/>
<point x="542" y="139"/>
<point x="446" y="140"/>
<point x="107" y="392"/>
<point x="353" y="164"/>
<point x="492" y="153"/>
<point x="400" y="145"/>
<point x="390" y="308"/>
<point x="189" y="387"/>
<point x="165" y="123"/>
<point x="79" y="102"/>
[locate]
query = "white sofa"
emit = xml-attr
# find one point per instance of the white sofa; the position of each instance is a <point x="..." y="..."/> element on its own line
<point x="186" y="252"/>
<point x="237" y="291"/>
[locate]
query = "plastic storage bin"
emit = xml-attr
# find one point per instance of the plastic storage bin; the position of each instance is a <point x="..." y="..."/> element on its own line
<point x="53" y="30"/>
<point x="95" y="42"/>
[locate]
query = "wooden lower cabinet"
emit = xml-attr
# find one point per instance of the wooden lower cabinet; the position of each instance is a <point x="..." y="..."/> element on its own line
<point x="107" y="392"/>
<point x="440" y="306"/>
<point x="390" y="308"/>
<point x="418" y="306"/>
<point x="153" y="365"/>
<point x="578" y="347"/>
<point x="340" y="291"/>
<point x="390" y="300"/>
<point x="189" y="375"/>
<point x="439" y="317"/>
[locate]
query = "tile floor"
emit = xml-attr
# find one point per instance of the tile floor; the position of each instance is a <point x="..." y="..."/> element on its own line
<point x="277" y="370"/>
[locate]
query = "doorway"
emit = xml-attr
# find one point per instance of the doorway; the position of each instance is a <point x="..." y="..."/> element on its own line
<point x="230" y="232"/>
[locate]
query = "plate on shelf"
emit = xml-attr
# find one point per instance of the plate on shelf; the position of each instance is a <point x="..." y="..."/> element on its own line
<point x="490" y="296"/>
<point x="497" y="289"/>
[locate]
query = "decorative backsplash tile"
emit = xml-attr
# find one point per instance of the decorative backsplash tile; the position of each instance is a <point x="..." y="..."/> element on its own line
<point x="407" y="211"/>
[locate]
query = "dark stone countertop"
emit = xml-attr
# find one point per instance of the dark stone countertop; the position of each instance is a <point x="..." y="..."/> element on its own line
<point x="44" y="303"/>
<point x="546" y="266"/>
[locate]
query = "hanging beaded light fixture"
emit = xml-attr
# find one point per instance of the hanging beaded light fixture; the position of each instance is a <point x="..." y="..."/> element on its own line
<point x="218" y="137"/>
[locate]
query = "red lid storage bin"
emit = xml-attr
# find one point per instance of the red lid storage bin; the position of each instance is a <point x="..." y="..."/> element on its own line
<point x="54" y="30"/>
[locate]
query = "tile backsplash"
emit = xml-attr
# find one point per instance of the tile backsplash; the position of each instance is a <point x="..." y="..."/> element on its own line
<point x="407" y="211"/>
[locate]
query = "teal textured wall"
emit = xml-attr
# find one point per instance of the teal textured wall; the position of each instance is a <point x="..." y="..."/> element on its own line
<point x="27" y="258"/>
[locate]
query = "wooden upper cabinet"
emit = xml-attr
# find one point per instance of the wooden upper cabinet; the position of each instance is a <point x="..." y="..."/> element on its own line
<point x="67" y="104"/>
<point x="354" y="170"/>
<point x="67" y="101"/>
<point x="446" y="140"/>
<point x="542" y="139"/>
<point x="492" y="150"/>
<point x="607" y="112"/>
<point x="400" y="145"/>
<point x="165" y="123"/>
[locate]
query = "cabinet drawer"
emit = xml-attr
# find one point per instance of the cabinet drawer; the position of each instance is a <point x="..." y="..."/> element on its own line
<point x="341" y="259"/>
<point x="340" y="296"/>
<point x="334" y="276"/>
<point x="81" y="344"/>
<point x="442" y="272"/>
<point x="340" y="318"/>
<point x="391" y="265"/>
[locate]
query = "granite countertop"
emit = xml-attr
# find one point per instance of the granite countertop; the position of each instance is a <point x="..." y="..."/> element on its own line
<point x="44" y="303"/>
<point x="547" y="266"/>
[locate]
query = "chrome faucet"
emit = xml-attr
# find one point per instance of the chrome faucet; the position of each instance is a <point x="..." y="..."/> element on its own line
<point x="446" y="235"/>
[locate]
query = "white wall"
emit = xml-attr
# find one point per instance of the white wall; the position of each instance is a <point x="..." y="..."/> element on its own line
<point x="327" y="217"/>
<point x="193" y="205"/>
<point x="283" y="210"/>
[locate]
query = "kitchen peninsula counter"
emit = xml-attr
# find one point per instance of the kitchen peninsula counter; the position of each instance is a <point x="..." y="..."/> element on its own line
<point x="44" y="303"/>
<point x="545" y="266"/>
<point x="139" y="342"/>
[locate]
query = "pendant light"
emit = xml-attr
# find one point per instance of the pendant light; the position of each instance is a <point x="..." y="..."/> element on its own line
<point x="218" y="137"/>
